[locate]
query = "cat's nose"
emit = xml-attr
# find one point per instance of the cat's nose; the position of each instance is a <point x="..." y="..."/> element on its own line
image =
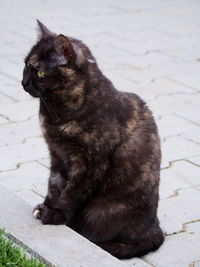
<point x="25" y="83"/>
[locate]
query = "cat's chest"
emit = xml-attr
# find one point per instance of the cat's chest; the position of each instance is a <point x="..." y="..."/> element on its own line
<point x="42" y="123"/>
<point x="63" y="139"/>
<point x="54" y="131"/>
<point x="92" y="138"/>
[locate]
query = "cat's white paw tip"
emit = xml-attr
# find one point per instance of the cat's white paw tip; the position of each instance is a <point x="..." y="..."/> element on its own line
<point x="36" y="214"/>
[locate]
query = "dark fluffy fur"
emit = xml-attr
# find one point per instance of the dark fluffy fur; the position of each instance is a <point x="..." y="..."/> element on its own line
<point x="104" y="148"/>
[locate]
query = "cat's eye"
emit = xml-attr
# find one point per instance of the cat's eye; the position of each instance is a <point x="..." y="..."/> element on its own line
<point x="41" y="74"/>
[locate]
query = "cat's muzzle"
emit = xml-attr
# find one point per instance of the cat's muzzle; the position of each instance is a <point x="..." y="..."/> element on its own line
<point x="31" y="90"/>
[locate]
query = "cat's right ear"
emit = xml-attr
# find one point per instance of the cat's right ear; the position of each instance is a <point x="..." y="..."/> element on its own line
<point x="43" y="31"/>
<point x="69" y="50"/>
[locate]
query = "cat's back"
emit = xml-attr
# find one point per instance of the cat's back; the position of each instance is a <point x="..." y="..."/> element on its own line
<point x="135" y="114"/>
<point x="140" y="142"/>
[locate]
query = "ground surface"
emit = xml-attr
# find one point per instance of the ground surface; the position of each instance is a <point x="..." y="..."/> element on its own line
<point x="151" y="48"/>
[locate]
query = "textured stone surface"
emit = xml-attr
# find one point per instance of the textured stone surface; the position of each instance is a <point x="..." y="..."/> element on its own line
<point x="193" y="227"/>
<point x="136" y="262"/>
<point x="27" y="181"/>
<point x="177" y="148"/>
<point x="181" y="175"/>
<point x="181" y="208"/>
<point x="11" y="135"/>
<point x="195" y="160"/>
<point x="177" y="251"/>
<point x="30" y="150"/>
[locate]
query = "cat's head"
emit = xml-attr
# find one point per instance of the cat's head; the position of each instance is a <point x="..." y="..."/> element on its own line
<point x="54" y="62"/>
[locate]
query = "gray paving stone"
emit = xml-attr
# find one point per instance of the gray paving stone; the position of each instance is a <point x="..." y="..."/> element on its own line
<point x="170" y="125"/>
<point x="27" y="177"/>
<point x="180" y="175"/>
<point x="2" y="144"/>
<point x="162" y="86"/>
<point x="30" y="197"/>
<point x="175" y="211"/>
<point x="45" y="162"/>
<point x="5" y="99"/>
<point x="32" y="149"/>
<point x="20" y="111"/>
<point x="192" y="99"/>
<point x="187" y="79"/>
<point x="16" y="133"/>
<point x="14" y="92"/>
<point x="3" y="120"/>
<point x="193" y="136"/>
<point x="177" y="251"/>
<point x="136" y="262"/>
<point x="169" y="105"/>
<point x="195" y="160"/>
<point x="193" y="227"/>
<point x="190" y="115"/>
<point x="175" y="148"/>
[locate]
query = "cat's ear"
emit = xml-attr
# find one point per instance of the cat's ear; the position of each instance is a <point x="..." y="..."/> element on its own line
<point x="69" y="50"/>
<point x="64" y="46"/>
<point x="44" y="32"/>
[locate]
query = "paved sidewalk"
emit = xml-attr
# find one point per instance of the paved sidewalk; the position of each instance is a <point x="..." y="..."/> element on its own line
<point x="151" y="48"/>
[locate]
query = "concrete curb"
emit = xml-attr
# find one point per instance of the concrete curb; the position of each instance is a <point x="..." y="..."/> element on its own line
<point x="56" y="245"/>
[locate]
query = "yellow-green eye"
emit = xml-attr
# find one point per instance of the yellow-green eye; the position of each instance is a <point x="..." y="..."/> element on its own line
<point x="40" y="74"/>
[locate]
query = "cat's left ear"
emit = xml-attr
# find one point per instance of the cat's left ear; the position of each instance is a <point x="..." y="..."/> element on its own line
<point x="44" y="32"/>
<point x="69" y="50"/>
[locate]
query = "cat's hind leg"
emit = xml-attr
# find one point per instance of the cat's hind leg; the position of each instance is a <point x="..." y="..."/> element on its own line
<point x="135" y="248"/>
<point x="47" y="215"/>
<point x="113" y="226"/>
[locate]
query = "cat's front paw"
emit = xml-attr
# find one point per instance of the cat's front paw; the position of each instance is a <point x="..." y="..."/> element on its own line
<point x="37" y="212"/>
<point x="48" y="216"/>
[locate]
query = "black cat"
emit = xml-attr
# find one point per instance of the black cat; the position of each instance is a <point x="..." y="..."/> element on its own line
<point x="104" y="149"/>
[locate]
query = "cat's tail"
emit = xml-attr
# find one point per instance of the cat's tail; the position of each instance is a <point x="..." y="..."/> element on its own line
<point x="127" y="250"/>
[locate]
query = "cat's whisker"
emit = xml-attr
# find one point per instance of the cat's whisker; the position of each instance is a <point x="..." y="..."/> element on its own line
<point x="47" y="105"/>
